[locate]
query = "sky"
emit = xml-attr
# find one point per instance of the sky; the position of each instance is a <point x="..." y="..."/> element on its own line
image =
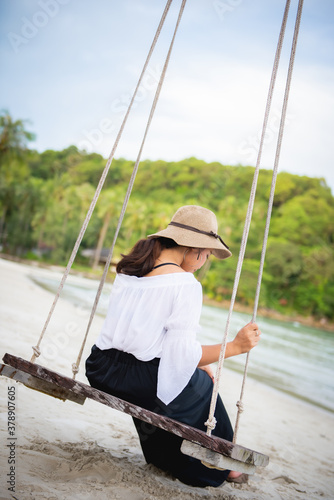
<point x="70" y="67"/>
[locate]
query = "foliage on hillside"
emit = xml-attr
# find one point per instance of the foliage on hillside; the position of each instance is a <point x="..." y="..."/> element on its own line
<point x="44" y="198"/>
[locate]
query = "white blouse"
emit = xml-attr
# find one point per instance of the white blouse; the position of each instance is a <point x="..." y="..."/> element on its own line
<point x="157" y="317"/>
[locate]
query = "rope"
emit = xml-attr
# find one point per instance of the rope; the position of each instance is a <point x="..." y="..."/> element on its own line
<point x="272" y="191"/>
<point x="129" y="190"/>
<point x="248" y="218"/>
<point x="36" y="349"/>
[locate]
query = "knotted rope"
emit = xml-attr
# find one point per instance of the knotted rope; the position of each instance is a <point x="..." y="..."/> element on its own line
<point x="130" y="186"/>
<point x="36" y="349"/>
<point x="272" y="192"/>
<point x="210" y="420"/>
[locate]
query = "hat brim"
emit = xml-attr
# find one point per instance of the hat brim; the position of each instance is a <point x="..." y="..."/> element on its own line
<point x="194" y="240"/>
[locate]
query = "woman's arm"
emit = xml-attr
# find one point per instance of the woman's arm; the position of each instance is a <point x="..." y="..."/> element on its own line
<point x="247" y="338"/>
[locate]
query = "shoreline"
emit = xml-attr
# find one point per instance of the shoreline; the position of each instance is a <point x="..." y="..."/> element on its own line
<point x="41" y="277"/>
<point x="308" y="321"/>
<point x="68" y="451"/>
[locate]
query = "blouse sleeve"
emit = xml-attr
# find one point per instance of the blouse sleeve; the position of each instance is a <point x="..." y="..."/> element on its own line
<point x="181" y="352"/>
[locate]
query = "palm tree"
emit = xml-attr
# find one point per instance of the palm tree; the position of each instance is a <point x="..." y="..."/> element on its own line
<point x="13" y="136"/>
<point x="108" y="208"/>
<point x="13" y="144"/>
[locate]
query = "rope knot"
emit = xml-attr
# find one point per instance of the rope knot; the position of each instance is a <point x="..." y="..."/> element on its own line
<point x="37" y="351"/>
<point x="75" y="368"/>
<point x="240" y="406"/>
<point x="211" y="423"/>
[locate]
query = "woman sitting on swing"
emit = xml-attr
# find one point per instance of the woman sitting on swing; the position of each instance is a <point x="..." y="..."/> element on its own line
<point x="147" y="352"/>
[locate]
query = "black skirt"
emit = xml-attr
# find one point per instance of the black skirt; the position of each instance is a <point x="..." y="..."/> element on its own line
<point x="122" y="375"/>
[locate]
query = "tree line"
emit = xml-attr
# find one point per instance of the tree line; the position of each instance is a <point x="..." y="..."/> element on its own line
<point x="44" y="198"/>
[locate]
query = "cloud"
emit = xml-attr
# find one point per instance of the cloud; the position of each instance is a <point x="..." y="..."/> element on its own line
<point x="217" y="113"/>
<point x="78" y="71"/>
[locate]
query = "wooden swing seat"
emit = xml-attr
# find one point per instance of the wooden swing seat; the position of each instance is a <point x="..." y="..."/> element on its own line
<point x="211" y="449"/>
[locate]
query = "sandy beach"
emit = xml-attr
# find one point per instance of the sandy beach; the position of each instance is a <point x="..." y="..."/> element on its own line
<point x="65" y="451"/>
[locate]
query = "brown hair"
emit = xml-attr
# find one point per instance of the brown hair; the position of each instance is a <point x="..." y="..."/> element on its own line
<point x="141" y="259"/>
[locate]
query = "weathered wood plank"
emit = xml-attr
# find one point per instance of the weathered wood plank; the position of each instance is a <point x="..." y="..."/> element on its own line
<point x="215" y="460"/>
<point x="40" y="385"/>
<point x="187" y="432"/>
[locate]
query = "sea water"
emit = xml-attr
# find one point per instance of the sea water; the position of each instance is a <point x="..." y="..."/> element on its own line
<point x="292" y="358"/>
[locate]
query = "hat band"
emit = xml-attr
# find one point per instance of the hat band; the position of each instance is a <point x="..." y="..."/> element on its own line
<point x="195" y="230"/>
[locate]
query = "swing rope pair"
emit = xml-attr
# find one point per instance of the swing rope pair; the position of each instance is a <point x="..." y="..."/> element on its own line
<point x="75" y="367"/>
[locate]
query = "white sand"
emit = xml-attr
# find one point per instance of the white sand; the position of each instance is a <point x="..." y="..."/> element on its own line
<point x="68" y="451"/>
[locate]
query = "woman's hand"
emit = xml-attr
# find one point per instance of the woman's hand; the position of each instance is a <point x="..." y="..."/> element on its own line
<point x="246" y="338"/>
<point x="209" y="371"/>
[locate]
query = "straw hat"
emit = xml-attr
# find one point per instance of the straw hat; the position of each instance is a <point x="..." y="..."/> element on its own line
<point x="195" y="227"/>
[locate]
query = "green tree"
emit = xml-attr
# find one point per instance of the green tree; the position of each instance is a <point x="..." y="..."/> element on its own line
<point x="13" y="169"/>
<point x="13" y="137"/>
<point x="44" y="198"/>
